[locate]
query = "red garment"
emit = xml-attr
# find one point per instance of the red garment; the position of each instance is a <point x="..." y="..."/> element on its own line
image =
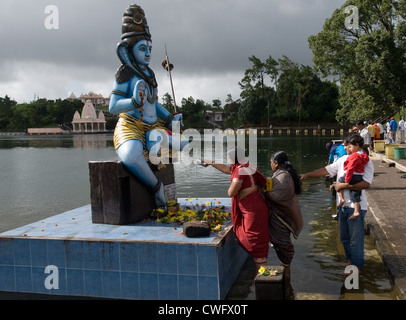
<point x="355" y="163"/>
<point x="250" y="214"/>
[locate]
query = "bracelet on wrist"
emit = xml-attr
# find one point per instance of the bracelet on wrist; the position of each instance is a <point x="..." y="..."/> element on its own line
<point x="169" y="119"/>
<point x="135" y="104"/>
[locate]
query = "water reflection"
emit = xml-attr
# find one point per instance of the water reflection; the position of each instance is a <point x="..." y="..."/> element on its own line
<point x="91" y="141"/>
<point x="86" y="141"/>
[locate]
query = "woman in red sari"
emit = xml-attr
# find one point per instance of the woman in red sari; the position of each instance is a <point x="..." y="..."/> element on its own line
<point x="249" y="210"/>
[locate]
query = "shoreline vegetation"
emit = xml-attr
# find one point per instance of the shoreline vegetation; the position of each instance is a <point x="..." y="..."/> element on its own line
<point x="272" y="91"/>
<point x="311" y="130"/>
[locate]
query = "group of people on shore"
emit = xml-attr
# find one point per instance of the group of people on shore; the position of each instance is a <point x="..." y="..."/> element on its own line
<point x="372" y="131"/>
<point x="262" y="215"/>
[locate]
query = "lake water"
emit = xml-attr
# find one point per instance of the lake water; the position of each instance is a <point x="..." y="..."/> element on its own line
<point x="41" y="176"/>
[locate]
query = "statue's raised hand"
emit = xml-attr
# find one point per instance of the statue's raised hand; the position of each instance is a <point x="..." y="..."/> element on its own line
<point x="140" y="92"/>
<point x="178" y="117"/>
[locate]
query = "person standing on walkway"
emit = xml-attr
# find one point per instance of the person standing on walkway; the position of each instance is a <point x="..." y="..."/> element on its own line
<point x="371" y="130"/>
<point x="285" y="217"/>
<point x="388" y="138"/>
<point x="402" y="130"/>
<point x="381" y="131"/>
<point x="377" y="132"/>
<point x="363" y="131"/>
<point x="249" y="210"/>
<point x="393" y="128"/>
<point x="351" y="231"/>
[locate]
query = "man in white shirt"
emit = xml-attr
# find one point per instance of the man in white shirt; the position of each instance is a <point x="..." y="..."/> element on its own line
<point x="363" y="131"/>
<point x="351" y="231"/>
<point x="381" y="130"/>
<point x="402" y="130"/>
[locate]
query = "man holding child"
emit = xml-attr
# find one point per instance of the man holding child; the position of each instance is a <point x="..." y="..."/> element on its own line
<point x="351" y="230"/>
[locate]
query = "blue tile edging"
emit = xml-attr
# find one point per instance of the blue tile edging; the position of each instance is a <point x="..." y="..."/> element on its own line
<point x="123" y="268"/>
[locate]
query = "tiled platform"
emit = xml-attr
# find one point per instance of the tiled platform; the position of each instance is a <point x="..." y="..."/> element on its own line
<point x="147" y="260"/>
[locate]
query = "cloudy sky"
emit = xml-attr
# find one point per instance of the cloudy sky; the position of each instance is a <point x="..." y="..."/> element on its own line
<point x="208" y="41"/>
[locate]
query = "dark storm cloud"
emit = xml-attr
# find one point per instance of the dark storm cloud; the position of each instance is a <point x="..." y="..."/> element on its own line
<point x="207" y="38"/>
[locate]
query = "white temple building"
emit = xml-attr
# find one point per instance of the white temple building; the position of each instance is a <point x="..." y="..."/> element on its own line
<point x="89" y="122"/>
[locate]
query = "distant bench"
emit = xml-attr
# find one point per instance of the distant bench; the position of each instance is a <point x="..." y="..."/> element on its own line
<point x="118" y="197"/>
<point x="44" y="131"/>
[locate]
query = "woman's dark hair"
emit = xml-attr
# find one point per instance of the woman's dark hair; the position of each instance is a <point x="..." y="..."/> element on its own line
<point x="281" y="158"/>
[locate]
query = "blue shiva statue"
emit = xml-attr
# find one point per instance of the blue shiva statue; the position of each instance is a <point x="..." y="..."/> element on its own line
<point x="143" y="122"/>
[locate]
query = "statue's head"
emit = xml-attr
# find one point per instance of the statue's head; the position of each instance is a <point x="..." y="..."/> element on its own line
<point x="135" y="31"/>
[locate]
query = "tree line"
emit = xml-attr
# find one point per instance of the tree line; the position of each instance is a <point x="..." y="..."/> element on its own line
<point x="41" y="113"/>
<point x="271" y="91"/>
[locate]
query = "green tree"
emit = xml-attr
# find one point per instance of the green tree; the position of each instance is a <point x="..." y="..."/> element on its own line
<point x="315" y="99"/>
<point x="321" y="104"/>
<point x="300" y="94"/>
<point x="167" y="102"/>
<point x="41" y="113"/>
<point x="286" y="92"/>
<point x="62" y="111"/>
<point x="217" y="104"/>
<point x="231" y="108"/>
<point x="253" y="110"/>
<point x="193" y="111"/>
<point x="258" y="98"/>
<point x="20" y="120"/>
<point x="369" y="62"/>
<point x="254" y="78"/>
<point x="6" y="112"/>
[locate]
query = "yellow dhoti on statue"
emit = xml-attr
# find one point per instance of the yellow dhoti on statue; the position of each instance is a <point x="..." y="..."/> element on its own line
<point x="131" y="128"/>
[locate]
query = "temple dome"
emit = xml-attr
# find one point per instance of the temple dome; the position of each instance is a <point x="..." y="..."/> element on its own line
<point x="101" y="116"/>
<point x="72" y="96"/>
<point x="76" y="116"/>
<point x="89" y="121"/>
<point x="88" y="111"/>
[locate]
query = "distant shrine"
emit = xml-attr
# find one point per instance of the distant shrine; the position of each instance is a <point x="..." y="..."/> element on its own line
<point x="89" y="122"/>
<point x="96" y="98"/>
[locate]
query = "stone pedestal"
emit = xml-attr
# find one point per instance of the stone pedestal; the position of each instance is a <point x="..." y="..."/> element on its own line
<point x="66" y="256"/>
<point x="270" y="287"/>
<point x="118" y="197"/>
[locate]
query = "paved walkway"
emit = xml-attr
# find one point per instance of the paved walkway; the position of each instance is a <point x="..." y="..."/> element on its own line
<point x="386" y="218"/>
